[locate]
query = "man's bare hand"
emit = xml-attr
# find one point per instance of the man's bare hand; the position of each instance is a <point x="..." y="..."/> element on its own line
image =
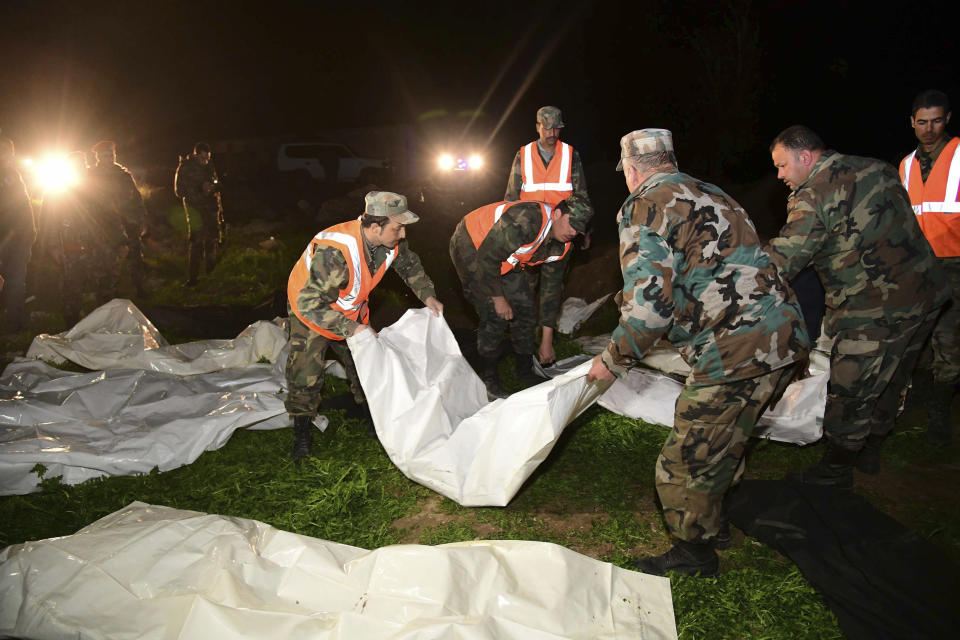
<point x="363" y="327"/>
<point x="599" y="371"/>
<point x="502" y="307"/>
<point x="434" y="305"/>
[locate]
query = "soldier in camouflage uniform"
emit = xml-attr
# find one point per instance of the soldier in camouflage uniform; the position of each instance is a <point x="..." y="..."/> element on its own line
<point x="17" y="233"/>
<point x="549" y="123"/>
<point x="197" y="184"/>
<point x="694" y="273"/>
<point x="118" y="211"/>
<point x="496" y="251"/>
<point x="850" y="219"/>
<point x="327" y="299"/>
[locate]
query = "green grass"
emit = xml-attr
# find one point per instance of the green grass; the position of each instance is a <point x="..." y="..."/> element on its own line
<point x="594" y="493"/>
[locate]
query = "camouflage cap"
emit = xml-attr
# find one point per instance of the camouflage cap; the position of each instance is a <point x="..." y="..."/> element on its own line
<point x="389" y="205"/>
<point x="637" y="143"/>
<point x="580" y="212"/>
<point x="550" y="117"/>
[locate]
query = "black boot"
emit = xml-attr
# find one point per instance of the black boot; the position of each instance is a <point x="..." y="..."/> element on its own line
<point x="868" y="460"/>
<point x="724" y="538"/>
<point x="835" y="469"/>
<point x="491" y="377"/>
<point x="940" y="414"/>
<point x="523" y="370"/>
<point x="302" y="437"/>
<point x="685" y="557"/>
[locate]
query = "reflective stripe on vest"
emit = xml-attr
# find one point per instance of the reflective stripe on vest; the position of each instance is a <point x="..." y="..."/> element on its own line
<point x="536" y="183"/>
<point x="935" y="201"/>
<point x="479" y="222"/>
<point x="352" y="299"/>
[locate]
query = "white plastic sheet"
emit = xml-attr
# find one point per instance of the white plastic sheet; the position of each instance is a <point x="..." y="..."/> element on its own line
<point x="154" y="572"/>
<point x="118" y="335"/>
<point x="576" y="311"/>
<point x="432" y="416"/>
<point x="651" y="395"/>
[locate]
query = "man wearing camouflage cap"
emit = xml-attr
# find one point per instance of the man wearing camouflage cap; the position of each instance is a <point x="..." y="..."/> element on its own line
<point x="327" y="294"/>
<point x="547" y="170"/>
<point x="494" y="249"/>
<point x="850" y="218"/>
<point x="694" y="274"/>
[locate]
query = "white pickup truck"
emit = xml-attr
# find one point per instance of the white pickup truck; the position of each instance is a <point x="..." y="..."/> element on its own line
<point x="320" y="158"/>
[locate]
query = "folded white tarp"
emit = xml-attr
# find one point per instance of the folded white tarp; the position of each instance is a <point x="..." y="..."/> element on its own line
<point x="118" y="335"/>
<point x="432" y="415"/>
<point x="651" y="395"/>
<point x="154" y="572"/>
<point x="124" y="421"/>
<point x="576" y="311"/>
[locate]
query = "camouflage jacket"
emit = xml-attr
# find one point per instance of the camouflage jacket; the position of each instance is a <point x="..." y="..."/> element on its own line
<point x="694" y="273"/>
<point x="190" y="178"/>
<point x="515" y="183"/>
<point x="115" y="201"/>
<point x="927" y="160"/>
<point x="329" y="274"/>
<point x="851" y="219"/>
<point x="519" y="225"/>
<point x="17" y="223"/>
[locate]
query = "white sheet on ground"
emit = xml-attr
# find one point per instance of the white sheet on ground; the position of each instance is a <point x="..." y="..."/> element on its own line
<point x="652" y="395"/>
<point x="576" y="311"/>
<point x="155" y="572"/>
<point x="432" y="415"/>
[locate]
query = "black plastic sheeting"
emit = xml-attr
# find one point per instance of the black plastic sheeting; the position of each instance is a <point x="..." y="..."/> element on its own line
<point x="881" y="579"/>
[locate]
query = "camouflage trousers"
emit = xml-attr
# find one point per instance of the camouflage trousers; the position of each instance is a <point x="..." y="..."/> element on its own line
<point x="304" y="371"/>
<point x="203" y="237"/>
<point x="94" y="268"/>
<point x="945" y="340"/>
<point x="869" y="369"/>
<point x="704" y="453"/>
<point x="519" y="288"/>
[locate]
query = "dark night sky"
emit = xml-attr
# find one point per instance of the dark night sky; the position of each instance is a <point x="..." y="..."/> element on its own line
<point x="725" y="78"/>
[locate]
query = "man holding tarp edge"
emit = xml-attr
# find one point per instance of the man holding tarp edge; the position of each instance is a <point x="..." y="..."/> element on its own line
<point x="695" y="274"/>
<point x="493" y="250"/>
<point x="327" y="295"/>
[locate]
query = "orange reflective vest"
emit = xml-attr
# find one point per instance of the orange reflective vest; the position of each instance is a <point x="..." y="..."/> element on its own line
<point x="479" y="222"/>
<point x="347" y="237"/>
<point x="551" y="183"/>
<point x="935" y="201"/>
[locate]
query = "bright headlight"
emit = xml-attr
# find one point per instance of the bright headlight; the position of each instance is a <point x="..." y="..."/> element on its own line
<point x="476" y="162"/>
<point x="55" y="173"/>
<point x="445" y="162"/>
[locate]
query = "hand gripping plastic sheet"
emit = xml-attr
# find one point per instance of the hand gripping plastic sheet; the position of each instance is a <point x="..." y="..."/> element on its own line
<point x="150" y="572"/>
<point x="432" y="415"/>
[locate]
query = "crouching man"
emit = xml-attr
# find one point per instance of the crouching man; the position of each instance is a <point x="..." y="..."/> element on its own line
<point x="327" y="295"/>
<point x="494" y="250"/>
<point x="694" y="274"/>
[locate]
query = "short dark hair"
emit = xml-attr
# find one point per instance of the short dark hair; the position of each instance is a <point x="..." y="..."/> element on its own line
<point x="368" y="221"/>
<point x="798" y="137"/>
<point x="201" y="147"/>
<point x="930" y="98"/>
<point x="104" y="146"/>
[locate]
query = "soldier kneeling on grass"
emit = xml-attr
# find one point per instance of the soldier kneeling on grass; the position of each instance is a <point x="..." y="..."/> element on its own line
<point x="327" y="295"/>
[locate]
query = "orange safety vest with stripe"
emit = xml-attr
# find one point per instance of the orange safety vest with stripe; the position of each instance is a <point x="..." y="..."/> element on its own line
<point x="479" y="222"/>
<point x="552" y="183"/>
<point x="347" y="237"/>
<point x="935" y="201"/>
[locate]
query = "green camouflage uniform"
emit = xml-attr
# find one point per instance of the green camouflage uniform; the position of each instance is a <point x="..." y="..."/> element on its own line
<point x="515" y="183"/>
<point x="329" y="274"/>
<point x="203" y="211"/>
<point x="852" y="221"/>
<point x="694" y="274"/>
<point x="479" y="272"/>
<point x="118" y="212"/>
<point x="945" y="339"/>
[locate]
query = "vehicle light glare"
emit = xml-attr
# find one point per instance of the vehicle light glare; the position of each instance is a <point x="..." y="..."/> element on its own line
<point x="445" y="162"/>
<point x="476" y="162"/>
<point x="55" y="173"/>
